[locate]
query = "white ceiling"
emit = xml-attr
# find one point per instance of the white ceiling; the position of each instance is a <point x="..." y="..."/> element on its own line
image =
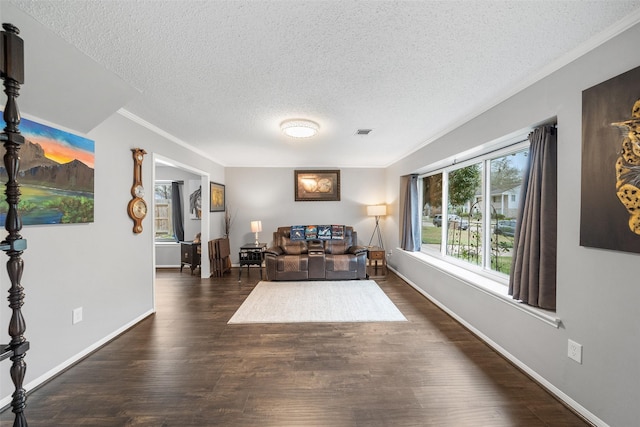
<point x="221" y="76"/>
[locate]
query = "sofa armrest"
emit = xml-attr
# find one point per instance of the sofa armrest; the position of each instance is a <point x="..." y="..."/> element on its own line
<point x="274" y="251"/>
<point x="356" y="250"/>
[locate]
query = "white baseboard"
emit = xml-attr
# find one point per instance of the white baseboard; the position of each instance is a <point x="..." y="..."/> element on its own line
<point x="32" y="385"/>
<point x="533" y="374"/>
<point x="575" y="406"/>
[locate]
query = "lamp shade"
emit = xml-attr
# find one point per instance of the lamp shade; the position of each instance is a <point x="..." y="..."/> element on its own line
<point x="256" y="226"/>
<point x="377" y="210"/>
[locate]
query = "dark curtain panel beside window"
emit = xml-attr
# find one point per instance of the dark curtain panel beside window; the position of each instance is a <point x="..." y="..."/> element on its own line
<point x="533" y="267"/>
<point x="410" y="214"/>
<point x="176" y="211"/>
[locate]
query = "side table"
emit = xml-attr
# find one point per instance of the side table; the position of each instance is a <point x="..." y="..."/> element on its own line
<point x="375" y="254"/>
<point x="190" y="255"/>
<point x="251" y="254"/>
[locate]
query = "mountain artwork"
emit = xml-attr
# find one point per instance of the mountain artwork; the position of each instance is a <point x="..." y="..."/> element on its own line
<point x="56" y="176"/>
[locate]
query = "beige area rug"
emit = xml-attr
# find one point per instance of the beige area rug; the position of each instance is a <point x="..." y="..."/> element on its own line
<point x="317" y="301"/>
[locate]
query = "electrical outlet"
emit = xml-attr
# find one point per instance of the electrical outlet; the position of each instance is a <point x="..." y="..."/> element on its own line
<point x="575" y="351"/>
<point x="77" y="315"/>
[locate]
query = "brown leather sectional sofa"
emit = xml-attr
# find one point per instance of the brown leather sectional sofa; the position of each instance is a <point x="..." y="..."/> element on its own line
<point x="334" y="259"/>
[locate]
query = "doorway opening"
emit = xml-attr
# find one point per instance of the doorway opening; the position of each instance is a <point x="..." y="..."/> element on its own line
<point x="167" y="253"/>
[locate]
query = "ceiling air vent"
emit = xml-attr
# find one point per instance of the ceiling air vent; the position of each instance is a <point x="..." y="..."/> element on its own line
<point x="363" y="131"/>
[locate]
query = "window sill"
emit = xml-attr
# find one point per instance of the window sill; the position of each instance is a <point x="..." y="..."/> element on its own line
<point x="487" y="285"/>
<point x="165" y="243"/>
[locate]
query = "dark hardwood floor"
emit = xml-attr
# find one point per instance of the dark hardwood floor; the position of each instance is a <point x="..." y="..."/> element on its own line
<point x="184" y="366"/>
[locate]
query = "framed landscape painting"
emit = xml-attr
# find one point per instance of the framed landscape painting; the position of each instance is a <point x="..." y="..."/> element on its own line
<point x="56" y="176"/>
<point x="317" y="185"/>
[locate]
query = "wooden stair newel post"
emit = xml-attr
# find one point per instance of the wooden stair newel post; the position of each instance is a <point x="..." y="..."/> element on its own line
<point x="12" y="72"/>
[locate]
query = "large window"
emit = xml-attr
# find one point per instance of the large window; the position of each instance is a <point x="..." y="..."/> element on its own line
<point x="475" y="225"/>
<point x="464" y="213"/>
<point x="432" y="211"/>
<point x="163" y="212"/>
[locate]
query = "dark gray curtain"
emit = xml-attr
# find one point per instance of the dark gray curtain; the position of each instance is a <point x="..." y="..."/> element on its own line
<point x="410" y="214"/>
<point x="176" y="211"/>
<point x="533" y="267"/>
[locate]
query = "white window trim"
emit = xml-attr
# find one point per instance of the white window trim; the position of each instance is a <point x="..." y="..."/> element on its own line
<point x="487" y="285"/>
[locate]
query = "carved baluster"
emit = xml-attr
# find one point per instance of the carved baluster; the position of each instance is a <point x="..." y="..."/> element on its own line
<point x="14" y="245"/>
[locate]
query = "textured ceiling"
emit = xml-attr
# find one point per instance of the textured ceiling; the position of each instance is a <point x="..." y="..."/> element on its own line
<point x="222" y="75"/>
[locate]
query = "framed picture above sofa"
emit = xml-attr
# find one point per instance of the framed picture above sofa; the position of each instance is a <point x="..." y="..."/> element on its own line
<point x="317" y="185"/>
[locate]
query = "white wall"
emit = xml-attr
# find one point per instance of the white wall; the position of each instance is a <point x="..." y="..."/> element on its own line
<point x="267" y="194"/>
<point x="598" y="290"/>
<point x="103" y="266"/>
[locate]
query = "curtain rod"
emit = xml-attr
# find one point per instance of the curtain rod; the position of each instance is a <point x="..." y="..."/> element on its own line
<point x="554" y="125"/>
<point x="443" y="164"/>
<point x="455" y="161"/>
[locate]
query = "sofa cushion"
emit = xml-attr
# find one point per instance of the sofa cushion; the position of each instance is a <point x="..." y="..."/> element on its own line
<point x="339" y="247"/>
<point x="293" y="247"/>
<point x="292" y="263"/>
<point x="341" y="263"/>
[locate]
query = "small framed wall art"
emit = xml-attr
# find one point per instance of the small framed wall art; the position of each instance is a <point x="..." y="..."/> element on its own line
<point x="216" y="194"/>
<point x="317" y="185"/>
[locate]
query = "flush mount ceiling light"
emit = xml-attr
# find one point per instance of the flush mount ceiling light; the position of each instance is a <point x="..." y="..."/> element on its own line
<point x="299" y="128"/>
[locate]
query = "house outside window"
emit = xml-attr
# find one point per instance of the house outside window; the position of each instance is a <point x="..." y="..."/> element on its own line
<point x="481" y="206"/>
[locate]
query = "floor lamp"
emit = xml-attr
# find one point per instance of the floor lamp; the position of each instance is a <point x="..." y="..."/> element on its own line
<point x="377" y="211"/>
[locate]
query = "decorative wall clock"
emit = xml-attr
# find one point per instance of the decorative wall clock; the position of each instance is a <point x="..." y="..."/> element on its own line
<point x="137" y="207"/>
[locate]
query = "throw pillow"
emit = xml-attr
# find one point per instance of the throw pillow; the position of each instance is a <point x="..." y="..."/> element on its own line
<point x="297" y="232"/>
<point x="324" y="232"/>
<point x="337" y="232"/>
<point x="311" y="232"/>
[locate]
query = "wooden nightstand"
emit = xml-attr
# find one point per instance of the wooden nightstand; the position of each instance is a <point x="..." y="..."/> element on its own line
<point x="374" y="255"/>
